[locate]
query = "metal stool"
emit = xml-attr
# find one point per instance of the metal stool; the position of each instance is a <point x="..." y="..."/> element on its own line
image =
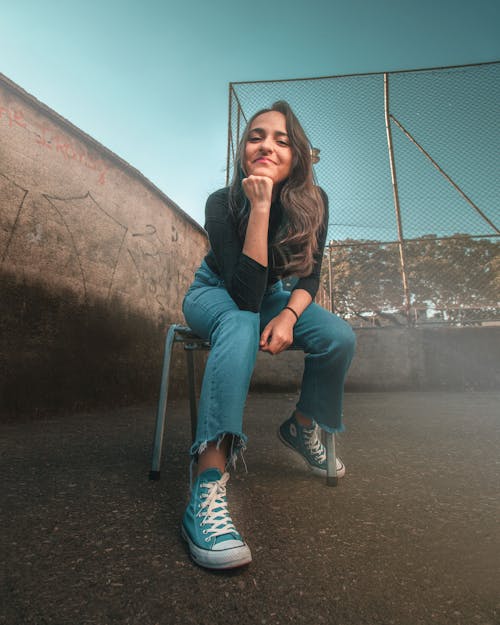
<point x="191" y="342"/>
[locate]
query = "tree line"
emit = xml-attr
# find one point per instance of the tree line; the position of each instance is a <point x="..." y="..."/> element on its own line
<point x="458" y="276"/>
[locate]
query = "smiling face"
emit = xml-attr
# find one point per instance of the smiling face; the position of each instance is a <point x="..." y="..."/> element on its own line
<point x="268" y="151"/>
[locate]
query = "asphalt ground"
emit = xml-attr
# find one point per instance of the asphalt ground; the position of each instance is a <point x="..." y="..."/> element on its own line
<point x="410" y="535"/>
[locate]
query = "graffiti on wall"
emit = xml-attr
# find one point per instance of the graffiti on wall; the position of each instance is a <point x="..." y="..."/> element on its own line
<point x="77" y="239"/>
<point x="49" y="138"/>
<point x="12" y="198"/>
<point x="96" y="238"/>
<point x="159" y="266"/>
<point x="152" y="263"/>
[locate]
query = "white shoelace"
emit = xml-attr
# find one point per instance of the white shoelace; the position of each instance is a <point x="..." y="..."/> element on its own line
<point x="314" y="444"/>
<point x="214" y="509"/>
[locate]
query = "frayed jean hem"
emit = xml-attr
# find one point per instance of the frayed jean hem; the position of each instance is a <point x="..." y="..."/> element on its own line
<point x="327" y="428"/>
<point x="238" y="446"/>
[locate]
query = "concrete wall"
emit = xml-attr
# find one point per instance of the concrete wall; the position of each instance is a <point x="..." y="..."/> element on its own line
<point x="388" y="359"/>
<point x="94" y="261"/>
<point x="466" y="358"/>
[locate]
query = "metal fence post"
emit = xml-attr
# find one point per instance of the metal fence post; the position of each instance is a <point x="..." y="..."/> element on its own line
<point x="406" y="291"/>
<point x="229" y="131"/>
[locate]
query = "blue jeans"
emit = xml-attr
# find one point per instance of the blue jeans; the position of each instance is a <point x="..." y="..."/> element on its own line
<point x="234" y="334"/>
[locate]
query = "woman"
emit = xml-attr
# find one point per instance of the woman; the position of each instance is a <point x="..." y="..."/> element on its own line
<point x="270" y="223"/>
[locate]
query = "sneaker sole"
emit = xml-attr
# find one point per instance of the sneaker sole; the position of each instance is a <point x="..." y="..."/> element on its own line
<point x="315" y="470"/>
<point x="225" y="559"/>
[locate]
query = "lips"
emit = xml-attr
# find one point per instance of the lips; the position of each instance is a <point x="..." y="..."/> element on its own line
<point x="263" y="159"/>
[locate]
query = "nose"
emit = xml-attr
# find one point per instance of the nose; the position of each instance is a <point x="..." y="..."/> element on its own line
<point x="266" y="145"/>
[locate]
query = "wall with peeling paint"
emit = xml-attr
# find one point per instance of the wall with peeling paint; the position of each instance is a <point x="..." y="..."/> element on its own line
<point x="94" y="261"/>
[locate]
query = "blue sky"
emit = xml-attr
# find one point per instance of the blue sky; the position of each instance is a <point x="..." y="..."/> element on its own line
<point x="150" y="80"/>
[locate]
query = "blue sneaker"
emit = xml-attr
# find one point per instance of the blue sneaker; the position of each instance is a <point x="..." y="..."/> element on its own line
<point x="207" y="526"/>
<point x="306" y="442"/>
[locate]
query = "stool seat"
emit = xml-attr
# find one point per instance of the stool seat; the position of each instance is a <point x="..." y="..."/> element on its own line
<point x="183" y="334"/>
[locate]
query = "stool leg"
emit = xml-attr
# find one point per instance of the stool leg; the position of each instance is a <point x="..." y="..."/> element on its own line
<point x="154" y="474"/>
<point x="331" y="460"/>
<point x="192" y="392"/>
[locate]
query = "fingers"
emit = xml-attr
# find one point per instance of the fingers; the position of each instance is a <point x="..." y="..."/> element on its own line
<point x="259" y="190"/>
<point x="274" y="341"/>
<point x="275" y="347"/>
<point x="264" y="338"/>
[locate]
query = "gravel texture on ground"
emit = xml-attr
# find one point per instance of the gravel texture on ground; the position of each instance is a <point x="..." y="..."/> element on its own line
<point x="409" y="537"/>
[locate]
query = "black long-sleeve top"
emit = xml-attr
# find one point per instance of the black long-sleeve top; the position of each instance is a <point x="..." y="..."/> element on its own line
<point x="245" y="279"/>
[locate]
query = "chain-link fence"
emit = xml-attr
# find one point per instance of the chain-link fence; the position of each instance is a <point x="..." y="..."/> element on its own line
<point x="410" y="163"/>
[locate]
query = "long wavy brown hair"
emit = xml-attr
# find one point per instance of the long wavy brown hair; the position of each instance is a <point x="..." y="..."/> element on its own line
<point x="296" y="240"/>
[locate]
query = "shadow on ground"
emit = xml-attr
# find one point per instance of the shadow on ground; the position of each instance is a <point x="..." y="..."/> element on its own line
<point x="408" y="537"/>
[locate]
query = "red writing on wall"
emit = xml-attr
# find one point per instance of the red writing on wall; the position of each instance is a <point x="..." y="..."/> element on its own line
<point x="14" y="117"/>
<point x="53" y="141"/>
<point x="50" y="140"/>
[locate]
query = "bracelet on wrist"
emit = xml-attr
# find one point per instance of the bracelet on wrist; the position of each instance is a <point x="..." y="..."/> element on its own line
<point x="293" y="311"/>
